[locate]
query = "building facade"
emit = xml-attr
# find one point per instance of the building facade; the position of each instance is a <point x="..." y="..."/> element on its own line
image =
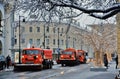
<point x="39" y="34"/>
<point x="53" y="35"/>
<point x="6" y="20"/>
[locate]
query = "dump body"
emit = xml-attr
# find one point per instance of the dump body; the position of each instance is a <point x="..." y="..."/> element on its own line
<point x="47" y="54"/>
<point x="81" y="56"/>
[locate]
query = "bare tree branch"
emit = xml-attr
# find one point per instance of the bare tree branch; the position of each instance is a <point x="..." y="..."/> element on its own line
<point x="94" y="8"/>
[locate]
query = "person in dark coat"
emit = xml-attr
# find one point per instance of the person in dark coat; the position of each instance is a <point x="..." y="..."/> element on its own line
<point x="8" y="61"/>
<point x="105" y="60"/>
<point x="116" y="60"/>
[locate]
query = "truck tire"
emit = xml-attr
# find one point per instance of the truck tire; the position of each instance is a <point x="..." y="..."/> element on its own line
<point x="51" y="66"/>
<point x="62" y="64"/>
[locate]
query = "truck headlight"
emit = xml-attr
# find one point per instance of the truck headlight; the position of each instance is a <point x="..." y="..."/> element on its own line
<point x="23" y="57"/>
<point x="36" y="56"/>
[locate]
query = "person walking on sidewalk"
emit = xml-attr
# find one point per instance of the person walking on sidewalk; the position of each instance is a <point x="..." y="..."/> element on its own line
<point x="105" y="61"/>
<point x="116" y="60"/>
<point x="8" y="61"/>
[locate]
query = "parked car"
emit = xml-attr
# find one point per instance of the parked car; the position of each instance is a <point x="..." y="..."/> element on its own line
<point x="2" y="62"/>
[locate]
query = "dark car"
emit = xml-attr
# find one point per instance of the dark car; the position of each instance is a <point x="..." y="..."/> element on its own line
<point x="2" y="62"/>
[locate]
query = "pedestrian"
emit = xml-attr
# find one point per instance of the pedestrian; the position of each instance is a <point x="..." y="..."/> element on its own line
<point x="105" y="61"/>
<point x="8" y="61"/>
<point x="116" y="60"/>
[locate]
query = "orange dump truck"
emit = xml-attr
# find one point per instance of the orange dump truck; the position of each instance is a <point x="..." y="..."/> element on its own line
<point x="35" y="58"/>
<point x="81" y="56"/>
<point x="69" y="56"/>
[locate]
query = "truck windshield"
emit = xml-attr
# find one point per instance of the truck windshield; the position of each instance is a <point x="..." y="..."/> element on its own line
<point x="30" y="52"/>
<point x="68" y="52"/>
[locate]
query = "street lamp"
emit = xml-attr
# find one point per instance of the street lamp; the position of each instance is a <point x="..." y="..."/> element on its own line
<point x="19" y="40"/>
<point x="58" y="38"/>
<point x="44" y="38"/>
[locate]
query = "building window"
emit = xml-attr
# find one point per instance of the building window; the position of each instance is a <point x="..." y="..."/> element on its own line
<point x="30" y="29"/>
<point x="38" y="42"/>
<point x="38" y="29"/>
<point x="31" y="41"/>
<point x="15" y="41"/>
<point x="47" y="29"/>
<point x="47" y="41"/>
<point x="54" y="30"/>
<point x="53" y="41"/>
<point x="62" y="30"/>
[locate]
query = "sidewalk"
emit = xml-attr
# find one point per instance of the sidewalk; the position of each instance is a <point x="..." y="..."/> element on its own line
<point x="109" y="74"/>
<point x="6" y="70"/>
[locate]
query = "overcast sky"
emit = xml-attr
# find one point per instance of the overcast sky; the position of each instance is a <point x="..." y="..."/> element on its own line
<point x="85" y="19"/>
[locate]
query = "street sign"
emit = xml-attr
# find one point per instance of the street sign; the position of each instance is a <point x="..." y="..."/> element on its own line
<point x="58" y="50"/>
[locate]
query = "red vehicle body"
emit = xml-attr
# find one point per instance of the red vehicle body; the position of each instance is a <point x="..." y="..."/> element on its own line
<point x="81" y="56"/>
<point x="69" y="56"/>
<point x="35" y="58"/>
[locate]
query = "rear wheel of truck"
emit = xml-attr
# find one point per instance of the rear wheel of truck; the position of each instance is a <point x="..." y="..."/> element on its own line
<point x="50" y="66"/>
<point x="63" y="64"/>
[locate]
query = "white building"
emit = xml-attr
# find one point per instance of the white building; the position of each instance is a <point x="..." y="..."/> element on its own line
<point x="6" y="20"/>
<point x="43" y="35"/>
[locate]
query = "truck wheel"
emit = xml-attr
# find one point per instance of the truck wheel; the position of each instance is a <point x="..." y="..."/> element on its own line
<point x="50" y="66"/>
<point x="62" y="64"/>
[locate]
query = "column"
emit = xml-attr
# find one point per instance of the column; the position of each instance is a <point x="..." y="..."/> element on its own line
<point x="118" y="36"/>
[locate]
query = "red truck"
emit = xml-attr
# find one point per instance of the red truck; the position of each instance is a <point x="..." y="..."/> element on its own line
<point x="69" y="56"/>
<point x="35" y="58"/>
<point x="81" y="56"/>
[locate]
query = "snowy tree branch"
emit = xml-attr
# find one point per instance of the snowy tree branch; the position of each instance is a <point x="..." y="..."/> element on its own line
<point x="94" y="8"/>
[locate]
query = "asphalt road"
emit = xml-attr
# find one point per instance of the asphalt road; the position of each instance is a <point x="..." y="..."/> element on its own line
<point x="57" y="72"/>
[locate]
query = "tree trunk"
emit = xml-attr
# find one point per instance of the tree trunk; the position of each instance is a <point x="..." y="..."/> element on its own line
<point x="109" y="56"/>
<point x="98" y="59"/>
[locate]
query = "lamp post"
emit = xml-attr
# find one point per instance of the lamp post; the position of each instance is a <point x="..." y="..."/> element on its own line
<point x="59" y="34"/>
<point x="19" y="40"/>
<point x="66" y="41"/>
<point x="58" y="38"/>
<point x="58" y="43"/>
<point x="44" y="38"/>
